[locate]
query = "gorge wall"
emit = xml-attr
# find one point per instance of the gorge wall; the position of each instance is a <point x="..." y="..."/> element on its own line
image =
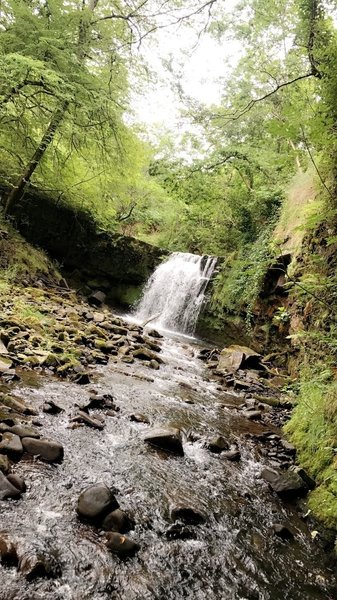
<point x="118" y="264"/>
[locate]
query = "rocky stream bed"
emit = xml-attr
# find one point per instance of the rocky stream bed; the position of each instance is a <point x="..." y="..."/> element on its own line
<point x="139" y="466"/>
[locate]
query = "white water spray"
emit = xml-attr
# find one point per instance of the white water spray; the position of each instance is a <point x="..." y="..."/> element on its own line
<point x="175" y="292"/>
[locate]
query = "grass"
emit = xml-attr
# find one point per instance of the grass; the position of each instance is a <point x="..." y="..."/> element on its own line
<point x="301" y="201"/>
<point x="313" y="430"/>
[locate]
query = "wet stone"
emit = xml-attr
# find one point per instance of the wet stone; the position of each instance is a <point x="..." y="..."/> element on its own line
<point x="288" y="447"/>
<point x="187" y="514"/>
<point x="154" y="333"/>
<point x="81" y="378"/>
<point x="83" y="417"/>
<point x="4" y="464"/>
<point x="8" y="553"/>
<point x="7" y="489"/>
<point x="95" y="502"/>
<point x="35" y="565"/>
<point x="121" y="545"/>
<point x="288" y="485"/>
<point x="138" y="418"/>
<point x="282" y="531"/>
<point x="218" y="444"/>
<point x="232" y="455"/>
<point x="24" y="431"/>
<point x="11" y="445"/>
<point x="48" y="450"/>
<point x="97" y="298"/>
<point x="179" y="531"/>
<point x="51" y="408"/>
<point x="253" y="415"/>
<point x="17" y="481"/>
<point x="168" y="439"/>
<point x="100" y="402"/>
<point x="118" y="521"/>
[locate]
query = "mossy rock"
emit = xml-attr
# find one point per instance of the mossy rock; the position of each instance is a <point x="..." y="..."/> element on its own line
<point x="16" y="404"/>
<point x="96" y="331"/>
<point x="4" y="464"/>
<point x="67" y="367"/>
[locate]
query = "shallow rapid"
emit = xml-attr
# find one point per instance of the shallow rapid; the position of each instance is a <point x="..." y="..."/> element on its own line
<point x="232" y="556"/>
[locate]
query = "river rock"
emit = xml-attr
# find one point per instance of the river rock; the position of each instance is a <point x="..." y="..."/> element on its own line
<point x="282" y="531"/>
<point x="218" y="444"/>
<point x="48" y="450"/>
<point x="187" y="514"/>
<point x="11" y="445"/>
<point x="288" y="447"/>
<point x="7" y="489"/>
<point x="121" y="545"/>
<point x="5" y="364"/>
<point x="253" y="415"/>
<point x="8" y="553"/>
<point x="96" y="501"/>
<point x="33" y="565"/>
<point x="118" y="521"/>
<point x="97" y="298"/>
<point x="168" y="439"/>
<point x="51" y="408"/>
<point x="232" y="455"/>
<point x="83" y="417"/>
<point x="24" y="431"/>
<point x="179" y="531"/>
<point x="237" y="357"/>
<point x="4" y="463"/>
<point x="146" y="354"/>
<point x="100" y="402"/>
<point x="138" y="418"/>
<point x="154" y="333"/>
<point x="288" y="485"/>
<point x="81" y="378"/>
<point x="17" y="481"/>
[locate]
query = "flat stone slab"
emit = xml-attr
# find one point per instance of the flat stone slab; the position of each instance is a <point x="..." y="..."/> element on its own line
<point x="168" y="439"/>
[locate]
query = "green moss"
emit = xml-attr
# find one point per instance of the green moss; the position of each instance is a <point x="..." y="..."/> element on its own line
<point x="323" y="504"/>
<point x="313" y="430"/>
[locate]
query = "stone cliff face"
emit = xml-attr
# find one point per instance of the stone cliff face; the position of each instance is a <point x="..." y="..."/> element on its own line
<point x="118" y="264"/>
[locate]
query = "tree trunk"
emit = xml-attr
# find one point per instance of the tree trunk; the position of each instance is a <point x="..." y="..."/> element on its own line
<point x="297" y="158"/>
<point x="16" y="193"/>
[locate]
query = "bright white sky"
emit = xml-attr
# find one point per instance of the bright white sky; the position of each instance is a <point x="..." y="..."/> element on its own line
<point x="199" y="65"/>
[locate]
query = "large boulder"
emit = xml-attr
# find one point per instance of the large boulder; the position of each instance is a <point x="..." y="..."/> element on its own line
<point x="168" y="439"/>
<point x="95" y="502"/>
<point x="290" y="484"/>
<point x="237" y="357"/>
<point x="48" y="450"/>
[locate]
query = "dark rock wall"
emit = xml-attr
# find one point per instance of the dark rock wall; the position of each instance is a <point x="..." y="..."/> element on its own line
<point x="73" y="239"/>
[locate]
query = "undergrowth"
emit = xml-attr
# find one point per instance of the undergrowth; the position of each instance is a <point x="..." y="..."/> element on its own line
<point x="313" y="430"/>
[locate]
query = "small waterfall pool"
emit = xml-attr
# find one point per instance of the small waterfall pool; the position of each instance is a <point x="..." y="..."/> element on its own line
<point x="174" y="294"/>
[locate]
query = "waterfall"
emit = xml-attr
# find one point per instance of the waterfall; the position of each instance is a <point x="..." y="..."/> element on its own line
<point x="175" y="292"/>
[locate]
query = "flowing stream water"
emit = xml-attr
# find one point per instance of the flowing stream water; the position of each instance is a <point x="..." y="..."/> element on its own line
<point x="232" y="556"/>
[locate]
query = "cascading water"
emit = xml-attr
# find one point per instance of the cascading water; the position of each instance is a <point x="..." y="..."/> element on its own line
<point x="174" y="294"/>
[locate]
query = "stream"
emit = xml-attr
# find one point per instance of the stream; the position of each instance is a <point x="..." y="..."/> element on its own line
<point x="234" y="555"/>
